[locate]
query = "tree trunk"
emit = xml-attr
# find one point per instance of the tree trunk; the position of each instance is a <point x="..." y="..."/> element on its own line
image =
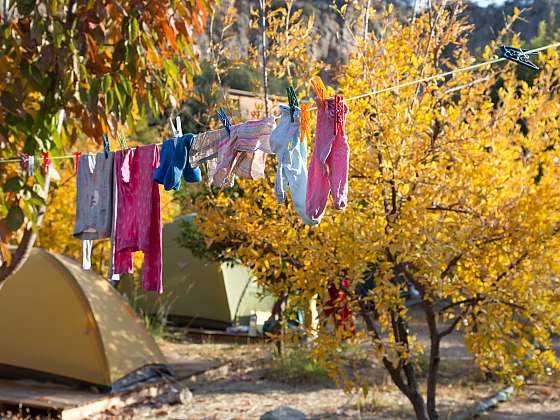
<point x="264" y="57"/>
<point x="366" y="20"/>
<point x="432" y="380"/>
<point x="418" y="404"/>
<point x="22" y="252"/>
<point x="433" y="367"/>
<point x="408" y="388"/>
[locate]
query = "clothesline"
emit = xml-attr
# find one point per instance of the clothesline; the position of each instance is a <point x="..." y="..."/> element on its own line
<point x="441" y="75"/>
<point x="374" y="92"/>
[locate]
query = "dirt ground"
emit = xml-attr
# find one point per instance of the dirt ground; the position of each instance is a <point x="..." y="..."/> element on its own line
<point x="245" y="388"/>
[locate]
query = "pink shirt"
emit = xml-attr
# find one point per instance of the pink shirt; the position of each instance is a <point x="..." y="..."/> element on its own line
<point x="138" y="217"/>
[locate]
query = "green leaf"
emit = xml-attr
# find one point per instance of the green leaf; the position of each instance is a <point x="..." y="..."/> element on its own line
<point x="118" y="55"/>
<point x="25" y="7"/>
<point x="93" y="96"/>
<point x="14" y="184"/>
<point x="134" y="29"/>
<point x="15" y="218"/>
<point x="54" y="7"/>
<point x="121" y="94"/>
<point x="36" y="199"/>
<point x="110" y="101"/>
<point x="8" y="100"/>
<point x="106" y="83"/>
<point x="37" y="187"/>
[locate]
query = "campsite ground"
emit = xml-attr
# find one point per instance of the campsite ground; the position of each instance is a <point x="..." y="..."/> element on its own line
<point x="252" y="382"/>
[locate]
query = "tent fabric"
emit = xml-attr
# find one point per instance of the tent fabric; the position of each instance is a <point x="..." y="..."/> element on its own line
<point x="57" y="319"/>
<point x="202" y="292"/>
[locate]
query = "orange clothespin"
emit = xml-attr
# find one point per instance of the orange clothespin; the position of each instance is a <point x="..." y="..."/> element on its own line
<point x="77" y="154"/>
<point x="320" y="89"/>
<point x="46" y="162"/>
<point x="305" y="120"/>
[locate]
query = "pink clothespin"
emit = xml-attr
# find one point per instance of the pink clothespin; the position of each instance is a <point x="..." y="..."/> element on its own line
<point x="77" y="154"/>
<point x="24" y="163"/>
<point x="338" y="112"/>
<point x="46" y="162"/>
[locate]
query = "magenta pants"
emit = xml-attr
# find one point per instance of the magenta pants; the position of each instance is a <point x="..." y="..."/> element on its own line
<point x="328" y="169"/>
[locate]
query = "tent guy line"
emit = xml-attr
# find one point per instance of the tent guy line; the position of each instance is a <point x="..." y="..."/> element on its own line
<point x="374" y="92"/>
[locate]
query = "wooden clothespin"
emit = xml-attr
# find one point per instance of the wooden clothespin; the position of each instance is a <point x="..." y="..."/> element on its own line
<point x="77" y="157"/>
<point x="224" y="119"/>
<point x="292" y="102"/>
<point x="106" y="147"/>
<point x="320" y="89"/>
<point x="176" y="129"/>
<point x="46" y="162"/>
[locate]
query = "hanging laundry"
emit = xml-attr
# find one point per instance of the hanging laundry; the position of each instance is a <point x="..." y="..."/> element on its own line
<point x="328" y="169"/>
<point x="138" y="224"/>
<point x="338" y="307"/>
<point x="204" y="150"/>
<point x="174" y="163"/>
<point x="291" y="151"/>
<point x="94" y="201"/>
<point x="243" y="153"/>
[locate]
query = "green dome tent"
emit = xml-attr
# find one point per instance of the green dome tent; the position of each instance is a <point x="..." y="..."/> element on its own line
<point x="63" y="324"/>
<point x="198" y="292"/>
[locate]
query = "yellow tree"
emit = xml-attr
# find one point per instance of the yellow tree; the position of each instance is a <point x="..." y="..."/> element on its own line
<point x="453" y="189"/>
<point x="291" y="37"/>
<point x="285" y="49"/>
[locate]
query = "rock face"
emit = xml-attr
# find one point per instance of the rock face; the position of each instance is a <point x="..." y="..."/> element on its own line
<point x="336" y="42"/>
<point x="284" y="413"/>
<point x="490" y="20"/>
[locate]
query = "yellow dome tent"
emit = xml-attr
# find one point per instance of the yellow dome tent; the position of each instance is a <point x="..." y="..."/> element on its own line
<point x="61" y="323"/>
<point x="200" y="292"/>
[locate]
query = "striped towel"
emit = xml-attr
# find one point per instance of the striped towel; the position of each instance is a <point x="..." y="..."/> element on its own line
<point x="243" y="153"/>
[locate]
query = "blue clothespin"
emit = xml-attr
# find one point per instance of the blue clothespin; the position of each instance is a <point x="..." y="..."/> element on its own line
<point x="519" y="56"/>
<point x="292" y="102"/>
<point x="224" y="119"/>
<point x="106" y="147"/>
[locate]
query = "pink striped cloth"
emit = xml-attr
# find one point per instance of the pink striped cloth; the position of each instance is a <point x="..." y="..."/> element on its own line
<point x="242" y="153"/>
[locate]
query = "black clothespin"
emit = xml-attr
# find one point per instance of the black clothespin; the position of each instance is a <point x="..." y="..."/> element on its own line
<point x="519" y="56"/>
<point x="292" y="102"/>
<point x="106" y="147"/>
<point x="224" y="119"/>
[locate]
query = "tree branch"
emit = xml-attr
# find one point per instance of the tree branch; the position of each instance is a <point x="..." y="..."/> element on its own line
<point x="461" y="302"/>
<point x="456" y="321"/>
<point x="395" y="373"/>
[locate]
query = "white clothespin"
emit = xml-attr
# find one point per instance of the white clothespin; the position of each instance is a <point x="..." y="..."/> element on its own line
<point x="176" y="129"/>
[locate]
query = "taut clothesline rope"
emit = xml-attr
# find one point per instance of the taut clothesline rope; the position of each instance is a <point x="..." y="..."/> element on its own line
<point x="441" y="75"/>
<point x="375" y="92"/>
